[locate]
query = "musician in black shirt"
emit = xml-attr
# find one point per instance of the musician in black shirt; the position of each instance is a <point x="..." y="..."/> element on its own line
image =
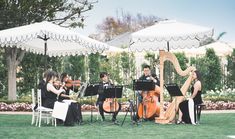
<point x="148" y="76"/>
<point x="105" y="83"/>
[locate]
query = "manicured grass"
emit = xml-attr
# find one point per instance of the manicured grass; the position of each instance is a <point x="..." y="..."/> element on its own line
<point x="213" y="126"/>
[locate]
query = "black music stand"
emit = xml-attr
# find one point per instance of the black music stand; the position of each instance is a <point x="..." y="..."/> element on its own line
<point x="143" y="85"/>
<point x="174" y="91"/>
<point x="113" y="92"/>
<point x="91" y="90"/>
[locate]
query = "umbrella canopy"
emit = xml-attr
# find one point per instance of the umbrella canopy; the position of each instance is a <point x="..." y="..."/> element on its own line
<point x="220" y="48"/>
<point x="113" y="49"/>
<point x="169" y="35"/>
<point x="60" y="41"/>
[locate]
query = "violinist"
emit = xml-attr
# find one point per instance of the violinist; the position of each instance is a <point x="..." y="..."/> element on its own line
<point x="51" y="92"/>
<point x="105" y="83"/>
<point x="147" y="99"/>
<point x="66" y="84"/>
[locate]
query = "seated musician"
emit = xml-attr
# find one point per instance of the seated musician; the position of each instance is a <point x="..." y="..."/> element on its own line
<point x="148" y="76"/>
<point x="148" y="106"/>
<point x="186" y="111"/>
<point x="105" y="83"/>
<point x="52" y="94"/>
<point x="64" y="80"/>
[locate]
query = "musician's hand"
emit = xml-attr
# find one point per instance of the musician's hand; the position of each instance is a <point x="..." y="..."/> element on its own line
<point x="70" y="97"/>
<point x="62" y="90"/>
<point x="154" y="80"/>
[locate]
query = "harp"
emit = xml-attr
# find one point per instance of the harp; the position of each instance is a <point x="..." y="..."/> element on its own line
<point x="168" y="115"/>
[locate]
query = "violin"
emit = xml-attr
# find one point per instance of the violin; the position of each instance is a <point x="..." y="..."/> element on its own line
<point x="71" y="83"/>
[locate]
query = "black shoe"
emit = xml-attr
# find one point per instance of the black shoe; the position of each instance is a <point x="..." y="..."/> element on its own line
<point x="103" y="119"/>
<point x="114" y="119"/>
<point x="116" y="122"/>
<point x="180" y="122"/>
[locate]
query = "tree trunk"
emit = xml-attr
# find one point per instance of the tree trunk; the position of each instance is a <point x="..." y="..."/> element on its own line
<point x="14" y="57"/>
<point x="12" y="79"/>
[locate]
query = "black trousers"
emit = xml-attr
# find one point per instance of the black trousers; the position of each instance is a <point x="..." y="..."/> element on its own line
<point x="74" y="114"/>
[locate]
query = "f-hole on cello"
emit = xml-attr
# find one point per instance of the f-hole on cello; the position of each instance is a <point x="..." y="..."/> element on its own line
<point x="110" y="104"/>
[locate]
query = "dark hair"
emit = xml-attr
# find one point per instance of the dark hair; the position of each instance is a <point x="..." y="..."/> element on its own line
<point x="45" y="73"/>
<point x="51" y="74"/>
<point x="63" y="75"/>
<point x="146" y="66"/>
<point x="199" y="77"/>
<point x="102" y="74"/>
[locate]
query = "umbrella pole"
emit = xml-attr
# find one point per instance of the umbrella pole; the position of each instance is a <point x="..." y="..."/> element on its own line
<point x="45" y="38"/>
<point x="45" y="54"/>
<point x="168" y="46"/>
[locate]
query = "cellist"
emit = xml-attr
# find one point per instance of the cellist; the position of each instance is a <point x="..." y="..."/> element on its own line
<point x="148" y="99"/>
<point x="105" y="83"/>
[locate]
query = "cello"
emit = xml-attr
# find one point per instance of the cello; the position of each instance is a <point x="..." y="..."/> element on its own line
<point x="150" y="106"/>
<point x="110" y="105"/>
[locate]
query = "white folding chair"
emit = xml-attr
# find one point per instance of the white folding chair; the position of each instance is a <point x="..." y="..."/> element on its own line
<point x="43" y="112"/>
<point x="34" y="112"/>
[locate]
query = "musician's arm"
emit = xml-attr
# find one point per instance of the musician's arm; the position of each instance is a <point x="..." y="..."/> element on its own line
<point x="197" y="87"/>
<point x="51" y="88"/>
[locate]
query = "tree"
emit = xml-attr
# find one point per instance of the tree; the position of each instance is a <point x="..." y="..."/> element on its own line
<point x="152" y="61"/>
<point x="230" y="70"/>
<point x="75" y="67"/>
<point x="210" y="69"/>
<point x="212" y="40"/>
<point x="114" y="26"/>
<point x="22" y="12"/>
<point x="94" y="67"/>
<point x="3" y="71"/>
<point x="31" y="70"/>
<point x="128" y="67"/>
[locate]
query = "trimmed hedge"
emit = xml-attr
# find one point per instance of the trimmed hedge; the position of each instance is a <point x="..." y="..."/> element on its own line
<point x="210" y="105"/>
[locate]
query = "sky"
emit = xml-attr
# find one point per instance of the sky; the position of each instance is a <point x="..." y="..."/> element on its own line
<point x="217" y="14"/>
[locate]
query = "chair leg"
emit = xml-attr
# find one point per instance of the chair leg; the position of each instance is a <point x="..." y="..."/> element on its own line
<point x="55" y="121"/>
<point x="98" y="114"/>
<point x="37" y="119"/>
<point x="40" y="119"/>
<point x="199" y="114"/>
<point x="33" y="118"/>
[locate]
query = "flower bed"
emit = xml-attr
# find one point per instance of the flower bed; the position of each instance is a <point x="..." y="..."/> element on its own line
<point x="15" y="107"/>
<point x="219" y="105"/>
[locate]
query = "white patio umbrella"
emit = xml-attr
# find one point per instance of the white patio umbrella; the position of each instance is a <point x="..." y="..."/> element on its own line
<point x="221" y="49"/>
<point x="166" y="35"/>
<point x="49" y="39"/>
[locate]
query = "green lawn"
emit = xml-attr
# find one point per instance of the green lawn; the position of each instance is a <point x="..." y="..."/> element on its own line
<point x="213" y="126"/>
